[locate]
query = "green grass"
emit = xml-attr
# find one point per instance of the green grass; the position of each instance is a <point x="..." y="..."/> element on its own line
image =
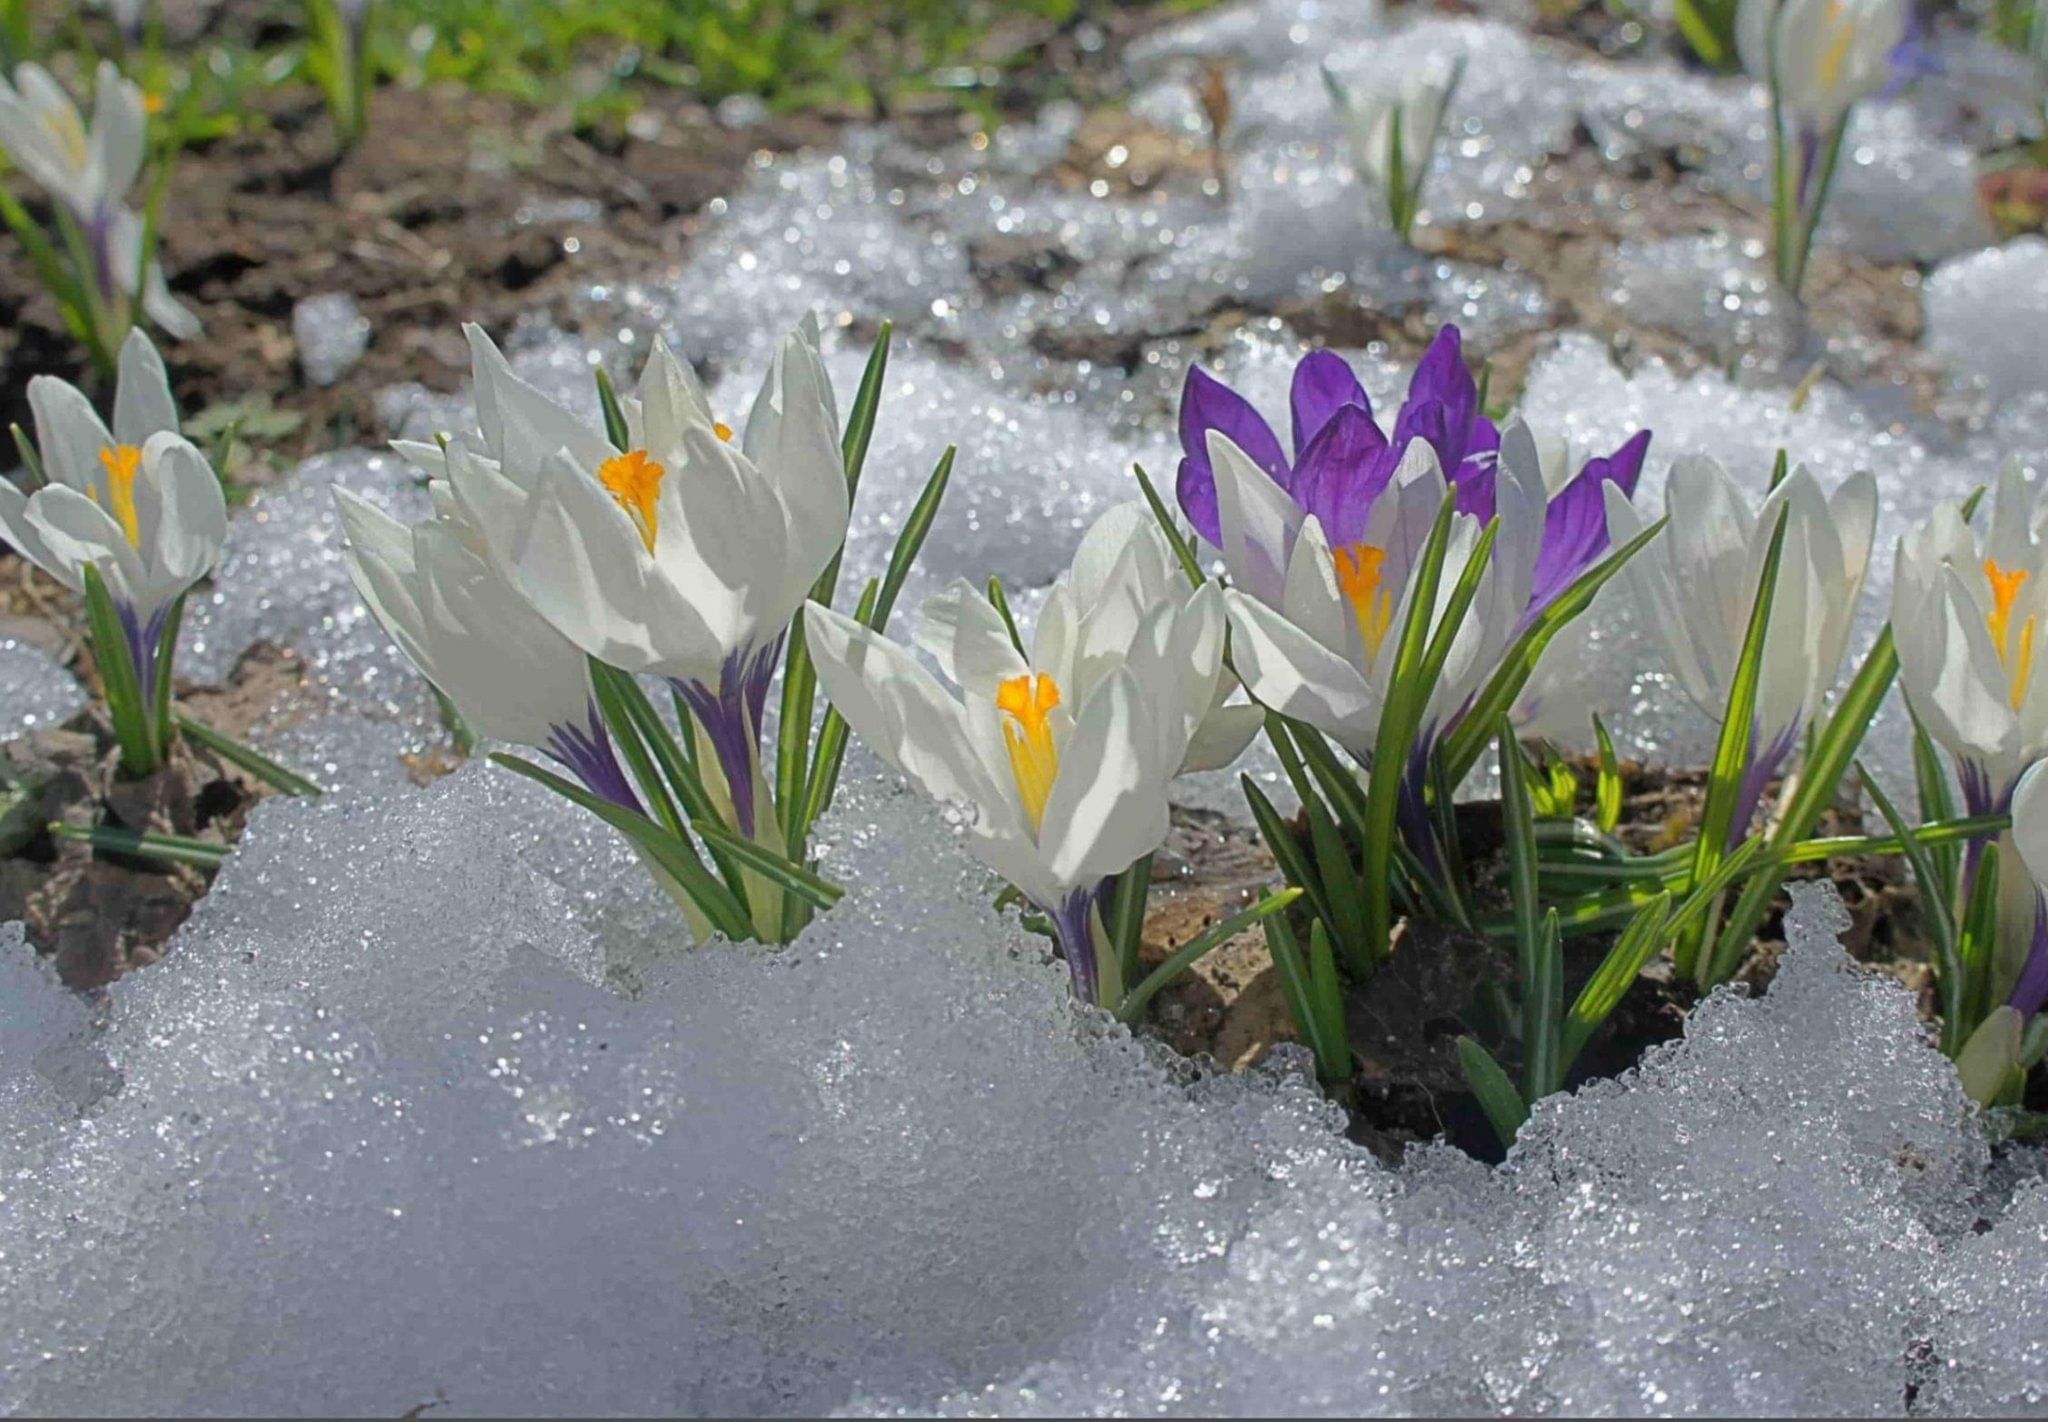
<point x="597" y="57"/>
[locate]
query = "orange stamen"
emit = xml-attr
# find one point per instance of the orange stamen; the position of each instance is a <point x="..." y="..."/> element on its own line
<point x="634" y="482"/>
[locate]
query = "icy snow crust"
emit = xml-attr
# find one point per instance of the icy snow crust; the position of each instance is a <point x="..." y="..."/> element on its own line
<point x="381" y="1132"/>
<point x="431" y="1103"/>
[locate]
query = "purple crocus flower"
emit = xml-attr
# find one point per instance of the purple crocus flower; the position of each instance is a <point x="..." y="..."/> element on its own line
<point x="1342" y="461"/>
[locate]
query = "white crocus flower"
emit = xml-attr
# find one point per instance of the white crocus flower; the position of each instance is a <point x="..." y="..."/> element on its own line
<point x="1821" y="56"/>
<point x="1699" y="579"/>
<point x="88" y="172"/>
<point x="510" y="675"/>
<point x="684" y="555"/>
<point x="86" y="169"/>
<point x="138" y="502"/>
<point x="1058" y="761"/>
<point x="1417" y="102"/>
<point x="1969" y="614"/>
<point x="1316" y="628"/>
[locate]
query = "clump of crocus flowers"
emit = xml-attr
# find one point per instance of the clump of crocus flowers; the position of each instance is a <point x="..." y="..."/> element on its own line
<point x="566" y="560"/>
<point x="1389" y="604"/>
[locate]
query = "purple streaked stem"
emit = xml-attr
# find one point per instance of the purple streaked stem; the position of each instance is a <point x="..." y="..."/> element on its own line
<point x="1764" y="763"/>
<point x="731" y="715"/>
<point x="1073" y="925"/>
<point x="1980" y="797"/>
<point x="2031" y="991"/>
<point x="587" y="751"/>
<point x="143" y="639"/>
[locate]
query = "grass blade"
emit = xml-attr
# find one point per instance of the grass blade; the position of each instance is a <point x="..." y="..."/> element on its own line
<point x="1733" y="750"/>
<point x="1407" y="695"/>
<point x="1610" y="982"/>
<point x="247" y="758"/>
<point x="1940" y="913"/>
<point x="1183" y="549"/>
<point x="1127" y="916"/>
<point x="1192" y="952"/>
<point x="1503" y="1104"/>
<point x="169" y="848"/>
<point x="117" y="678"/>
<point x="1607" y="789"/>
<point x="812" y="888"/>
<point x="911" y="542"/>
<point x="677" y="859"/>
<point x="1468" y="742"/>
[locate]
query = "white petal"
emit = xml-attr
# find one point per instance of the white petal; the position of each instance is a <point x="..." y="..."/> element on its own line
<point x="193" y="522"/>
<point x="1258" y="518"/>
<point x="966" y="636"/>
<point x="1108" y="803"/>
<point x="1286" y="669"/>
<point x="69" y="434"/>
<point x="142" y="394"/>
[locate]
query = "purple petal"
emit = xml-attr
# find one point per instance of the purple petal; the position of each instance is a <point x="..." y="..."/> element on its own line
<point x="1323" y="385"/>
<point x="1443" y="402"/>
<point x="1342" y="471"/>
<point x="1206" y="404"/>
<point x="2031" y="991"/>
<point x="1625" y="466"/>
<point x="1574" y="536"/>
<point x="1474" y="483"/>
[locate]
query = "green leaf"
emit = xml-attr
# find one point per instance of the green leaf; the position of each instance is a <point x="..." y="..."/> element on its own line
<point x="1127" y="916"/>
<point x="1541" y="1073"/>
<point x="1464" y="746"/>
<point x="1001" y="602"/>
<point x="867" y="401"/>
<point x="125" y="708"/>
<point x="1194" y="950"/>
<point x="1732" y="751"/>
<point x="1607" y="791"/>
<point x="30" y="460"/>
<point x="1286" y="849"/>
<point x="1326" y="997"/>
<point x="613" y="689"/>
<point x="1503" y="1104"/>
<point x="615" y="428"/>
<point x="915" y="528"/>
<point x="817" y="891"/>
<point x="1978" y="945"/>
<point x="1940" y="913"/>
<point x="1532" y="936"/>
<point x="1832" y="752"/>
<point x="677" y="859"/>
<point x="1183" y="549"/>
<point x="1400" y="716"/>
<point x="169" y="848"/>
<point x="247" y="758"/>
<point x="1312" y="999"/>
<point x="166" y="653"/>
<point x="1937" y="802"/>
<point x="1603" y="992"/>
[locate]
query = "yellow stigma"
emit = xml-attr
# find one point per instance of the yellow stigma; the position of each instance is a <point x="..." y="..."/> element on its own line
<point x="2016" y="655"/>
<point x="1026" y="701"/>
<point x="722" y="430"/>
<point x="152" y="103"/>
<point x="1842" y="33"/>
<point x="121" y="461"/>
<point x="1358" y="577"/>
<point x="634" y="482"/>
